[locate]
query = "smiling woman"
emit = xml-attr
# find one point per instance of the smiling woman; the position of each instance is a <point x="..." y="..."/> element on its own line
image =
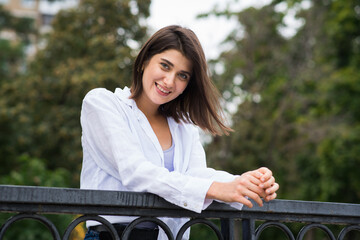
<point x="145" y="138"/>
<point x="200" y="90"/>
<point x="165" y="77"/>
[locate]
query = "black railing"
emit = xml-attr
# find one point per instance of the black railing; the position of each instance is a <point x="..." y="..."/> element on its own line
<point x="35" y="202"/>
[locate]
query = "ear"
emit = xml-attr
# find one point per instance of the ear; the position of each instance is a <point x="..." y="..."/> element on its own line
<point x="143" y="66"/>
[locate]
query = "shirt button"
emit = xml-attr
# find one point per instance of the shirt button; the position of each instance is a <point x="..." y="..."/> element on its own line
<point x="185" y="204"/>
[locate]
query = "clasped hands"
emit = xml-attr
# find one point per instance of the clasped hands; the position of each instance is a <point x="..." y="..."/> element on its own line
<point x="256" y="184"/>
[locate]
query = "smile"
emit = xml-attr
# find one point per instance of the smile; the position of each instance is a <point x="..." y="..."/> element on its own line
<point x="161" y="89"/>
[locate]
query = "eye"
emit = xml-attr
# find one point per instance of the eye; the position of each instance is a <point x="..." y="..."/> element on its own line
<point x="183" y="76"/>
<point x="165" y="66"/>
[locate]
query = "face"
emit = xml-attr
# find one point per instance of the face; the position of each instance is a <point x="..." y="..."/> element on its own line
<point x="165" y="77"/>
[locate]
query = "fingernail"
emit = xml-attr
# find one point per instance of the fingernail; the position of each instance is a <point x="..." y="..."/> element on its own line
<point x="262" y="185"/>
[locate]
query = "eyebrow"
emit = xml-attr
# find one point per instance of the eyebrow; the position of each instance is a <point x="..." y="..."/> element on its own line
<point x="172" y="65"/>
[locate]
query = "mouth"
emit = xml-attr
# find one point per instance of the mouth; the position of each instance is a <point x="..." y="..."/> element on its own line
<point x="162" y="89"/>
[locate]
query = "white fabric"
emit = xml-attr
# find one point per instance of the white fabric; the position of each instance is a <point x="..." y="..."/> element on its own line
<point x="121" y="152"/>
<point x="169" y="157"/>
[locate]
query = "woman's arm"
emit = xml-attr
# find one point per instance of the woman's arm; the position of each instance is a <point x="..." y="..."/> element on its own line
<point x="226" y="187"/>
<point x="253" y="184"/>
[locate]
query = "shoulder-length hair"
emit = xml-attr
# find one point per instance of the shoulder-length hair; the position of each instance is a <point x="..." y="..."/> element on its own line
<point x="199" y="102"/>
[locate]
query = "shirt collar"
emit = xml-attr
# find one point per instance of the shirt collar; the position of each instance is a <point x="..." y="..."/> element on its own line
<point x="123" y="95"/>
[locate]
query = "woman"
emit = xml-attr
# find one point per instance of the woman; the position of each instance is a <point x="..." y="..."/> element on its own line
<point x="145" y="138"/>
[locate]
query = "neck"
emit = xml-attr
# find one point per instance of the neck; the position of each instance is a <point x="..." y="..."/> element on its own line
<point x="150" y="110"/>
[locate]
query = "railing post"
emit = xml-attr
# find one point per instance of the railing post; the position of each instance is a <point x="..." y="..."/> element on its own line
<point x="248" y="229"/>
<point x="227" y="228"/>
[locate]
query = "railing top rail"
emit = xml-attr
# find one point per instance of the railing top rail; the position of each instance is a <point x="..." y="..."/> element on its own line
<point x="80" y="201"/>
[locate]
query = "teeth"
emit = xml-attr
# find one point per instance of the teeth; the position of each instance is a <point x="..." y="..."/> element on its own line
<point x="161" y="89"/>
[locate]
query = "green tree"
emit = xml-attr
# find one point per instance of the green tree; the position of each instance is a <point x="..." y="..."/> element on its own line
<point x="90" y="46"/>
<point x="299" y="99"/>
<point x="12" y="51"/>
<point x="33" y="172"/>
<point x="12" y="64"/>
<point x="255" y="76"/>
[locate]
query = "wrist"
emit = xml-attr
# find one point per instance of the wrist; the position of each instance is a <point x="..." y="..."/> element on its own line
<point x="213" y="190"/>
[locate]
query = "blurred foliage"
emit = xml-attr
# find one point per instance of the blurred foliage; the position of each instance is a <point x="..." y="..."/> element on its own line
<point x="294" y="101"/>
<point x="12" y="51"/>
<point x="203" y="231"/>
<point x="90" y="46"/>
<point x="33" y="172"/>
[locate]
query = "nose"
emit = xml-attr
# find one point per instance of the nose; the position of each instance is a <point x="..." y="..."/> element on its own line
<point x="169" y="80"/>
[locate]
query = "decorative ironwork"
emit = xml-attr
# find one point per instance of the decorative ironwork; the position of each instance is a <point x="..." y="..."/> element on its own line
<point x="346" y="230"/>
<point x="84" y="218"/>
<point x="32" y="202"/>
<point x="307" y="228"/>
<point x="39" y="218"/>
<point x="196" y="221"/>
<point x="133" y="224"/>
<point x="279" y="225"/>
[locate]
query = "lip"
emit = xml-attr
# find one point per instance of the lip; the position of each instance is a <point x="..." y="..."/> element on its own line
<point x="161" y="90"/>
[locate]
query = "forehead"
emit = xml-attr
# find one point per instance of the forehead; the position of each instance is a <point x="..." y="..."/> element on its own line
<point x="176" y="58"/>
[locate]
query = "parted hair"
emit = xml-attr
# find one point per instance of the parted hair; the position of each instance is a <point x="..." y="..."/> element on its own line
<point x="199" y="103"/>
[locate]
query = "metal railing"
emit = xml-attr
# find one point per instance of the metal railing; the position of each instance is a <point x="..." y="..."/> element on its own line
<point x="33" y="202"/>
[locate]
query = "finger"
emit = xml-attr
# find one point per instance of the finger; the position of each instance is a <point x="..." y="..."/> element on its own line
<point x="260" y="192"/>
<point x="270" y="197"/>
<point x="246" y="202"/>
<point x="268" y="183"/>
<point x="255" y="197"/>
<point x="256" y="175"/>
<point x="248" y="179"/>
<point x="263" y="170"/>
<point x="267" y="173"/>
<point x="253" y="179"/>
<point x="246" y="183"/>
<point x="272" y="189"/>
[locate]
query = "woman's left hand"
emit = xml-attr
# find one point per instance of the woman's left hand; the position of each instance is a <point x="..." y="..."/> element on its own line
<point x="268" y="183"/>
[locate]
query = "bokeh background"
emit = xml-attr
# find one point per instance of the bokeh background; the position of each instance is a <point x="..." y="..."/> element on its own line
<point x="288" y="72"/>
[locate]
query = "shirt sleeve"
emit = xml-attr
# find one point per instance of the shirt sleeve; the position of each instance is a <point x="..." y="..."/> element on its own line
<point x="116" y="150"/>
<point x="197" y="167"/>
<point x="197" y="163"/>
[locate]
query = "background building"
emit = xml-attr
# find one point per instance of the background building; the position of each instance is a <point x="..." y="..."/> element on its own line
<point x="42" y="14"/>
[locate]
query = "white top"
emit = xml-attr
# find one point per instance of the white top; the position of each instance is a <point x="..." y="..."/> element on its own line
<point x="121" y="152"/>
<point x="169" y="157"/>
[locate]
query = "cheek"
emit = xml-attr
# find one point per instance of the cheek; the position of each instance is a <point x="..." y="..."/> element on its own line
<point x="152" y="73"/>
<point x="183" y="86"/>
<point x="148" y="78"/>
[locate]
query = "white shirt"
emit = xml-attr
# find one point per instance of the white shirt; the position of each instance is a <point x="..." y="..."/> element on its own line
<point x="121" y="152"/>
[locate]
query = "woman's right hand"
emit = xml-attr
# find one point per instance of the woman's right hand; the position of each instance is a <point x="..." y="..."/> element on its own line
<point x="255" y="184"/>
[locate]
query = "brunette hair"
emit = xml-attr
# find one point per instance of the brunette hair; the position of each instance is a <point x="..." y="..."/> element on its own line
<point x="199" y="102"/>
